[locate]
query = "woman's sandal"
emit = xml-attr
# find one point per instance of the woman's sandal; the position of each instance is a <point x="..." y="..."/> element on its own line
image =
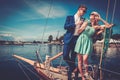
<point x="83" y="78"/>
<point x="88" y="77"/>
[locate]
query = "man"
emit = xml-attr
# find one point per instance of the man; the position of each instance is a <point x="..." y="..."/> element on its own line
<point x="72" y="25"/>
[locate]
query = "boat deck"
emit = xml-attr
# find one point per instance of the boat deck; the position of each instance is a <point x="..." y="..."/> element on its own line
<point x="49" y="73"/>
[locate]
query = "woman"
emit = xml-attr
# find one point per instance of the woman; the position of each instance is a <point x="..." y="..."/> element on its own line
<point x="84" y="43"/>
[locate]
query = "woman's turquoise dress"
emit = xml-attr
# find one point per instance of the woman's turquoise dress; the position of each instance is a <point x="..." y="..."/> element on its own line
<point x="84" y="44"/>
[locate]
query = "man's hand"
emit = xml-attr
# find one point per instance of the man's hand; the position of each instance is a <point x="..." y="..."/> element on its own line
<point x="79" y="23"/>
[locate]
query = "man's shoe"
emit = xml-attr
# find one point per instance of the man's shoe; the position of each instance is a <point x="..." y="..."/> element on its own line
<point x="69" y="73"/>
<point x="76" y="75"/>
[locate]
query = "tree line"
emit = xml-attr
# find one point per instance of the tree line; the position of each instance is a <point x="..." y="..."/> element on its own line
<point x="60" y="39"/>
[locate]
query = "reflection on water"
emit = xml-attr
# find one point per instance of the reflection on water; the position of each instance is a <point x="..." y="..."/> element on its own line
<point x="28" y="51"/>
<point x="6" y="51"/>
<point x="45" y="49"/>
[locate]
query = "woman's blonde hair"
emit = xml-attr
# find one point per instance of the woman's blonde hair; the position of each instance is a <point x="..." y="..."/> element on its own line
<point x="95" y="13"/>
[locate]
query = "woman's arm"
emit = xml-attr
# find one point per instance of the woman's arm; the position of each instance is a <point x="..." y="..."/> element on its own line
<point x="107" y="25"/>
<point x="83" y="26"/>
<point x="99" y="29"/>
<point x="105" y="22"/>
<point x="99" y="32"/>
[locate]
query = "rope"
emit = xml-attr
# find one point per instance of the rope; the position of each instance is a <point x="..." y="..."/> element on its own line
<point x="45" y="29"/>
<point x="47" y="67"/>
<point x="110" y="71"/>
<point x="100" y="63"/>
<point x="39" y="58"/>
<point x="99" y="68"/>
<point x="24" y="72"/>
<point x="107" y="10"/>
<point x="104" y="35"/>
<point x="113" y="11"/>
<point x="46" y="21"/>
<point x="29" y="69"/>
<point x="105" y="28"/>
<point x="112" y="18"/>
<point x="66" y="60"/>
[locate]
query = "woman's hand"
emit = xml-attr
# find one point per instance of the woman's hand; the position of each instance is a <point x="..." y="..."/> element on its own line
<point x="97" y="17"/>
<point x="109" y="26"/>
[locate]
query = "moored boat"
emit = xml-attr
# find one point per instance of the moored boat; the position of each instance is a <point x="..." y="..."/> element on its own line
<point x="49" y="72"/>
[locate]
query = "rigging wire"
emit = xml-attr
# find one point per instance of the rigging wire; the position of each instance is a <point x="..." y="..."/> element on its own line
<point x="100" y="64"/>
<point x="33" y="72"/>
<point x="113" y="11"/>
<point x="110" y="71"/>
<point x="104" y="34"/>
<point x="49" y="14"/>
<point x="44" y="31"/>
<point x="114" y="15"/>
<point x="111" y="21"/>
<point x="101" y="56"/>
<point x="38" y="54"/>
<point x="24" y="72"/>
<point x="47" y="20"/>
<point x="108" y="5"/>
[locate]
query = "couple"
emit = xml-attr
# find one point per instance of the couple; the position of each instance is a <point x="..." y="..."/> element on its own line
<point x="78" y="39"/>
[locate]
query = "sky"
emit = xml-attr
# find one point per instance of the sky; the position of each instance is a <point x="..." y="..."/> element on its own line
<point x="29" y="20"/>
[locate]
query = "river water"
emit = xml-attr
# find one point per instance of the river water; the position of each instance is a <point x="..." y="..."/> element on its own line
<point x="11" y="70"/>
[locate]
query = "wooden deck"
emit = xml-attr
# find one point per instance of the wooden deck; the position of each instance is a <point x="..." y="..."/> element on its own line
<point x="51" y="74"/>
<point x="48" y="72"/>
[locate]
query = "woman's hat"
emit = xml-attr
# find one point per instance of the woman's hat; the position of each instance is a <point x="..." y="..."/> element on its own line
<point x="95" y="13"/>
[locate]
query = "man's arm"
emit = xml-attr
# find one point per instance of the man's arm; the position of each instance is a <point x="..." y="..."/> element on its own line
<point x="69" y="23"/>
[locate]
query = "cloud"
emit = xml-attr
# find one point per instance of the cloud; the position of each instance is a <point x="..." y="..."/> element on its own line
<point x="10" y="37"/>
<point x="7" y="37"/>
<point x="8" y="33"/>
<point x="55" y="12"/>
<point x="10" y="30"/>
<point x="26" y="16"/>
<point x="46" y="9"/>
<point x="38" y="10"/>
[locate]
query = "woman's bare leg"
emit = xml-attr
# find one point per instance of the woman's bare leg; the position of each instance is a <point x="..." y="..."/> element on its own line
<point x="85" y="61"/>
<point x="80" y="62"/>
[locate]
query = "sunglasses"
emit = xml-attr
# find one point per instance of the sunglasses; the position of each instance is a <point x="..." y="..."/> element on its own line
<point x="83" y="10"/>
<point x="92" y="14"/>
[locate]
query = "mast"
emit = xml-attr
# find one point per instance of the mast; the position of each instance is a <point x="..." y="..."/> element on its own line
<point x="57" y="35"/>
